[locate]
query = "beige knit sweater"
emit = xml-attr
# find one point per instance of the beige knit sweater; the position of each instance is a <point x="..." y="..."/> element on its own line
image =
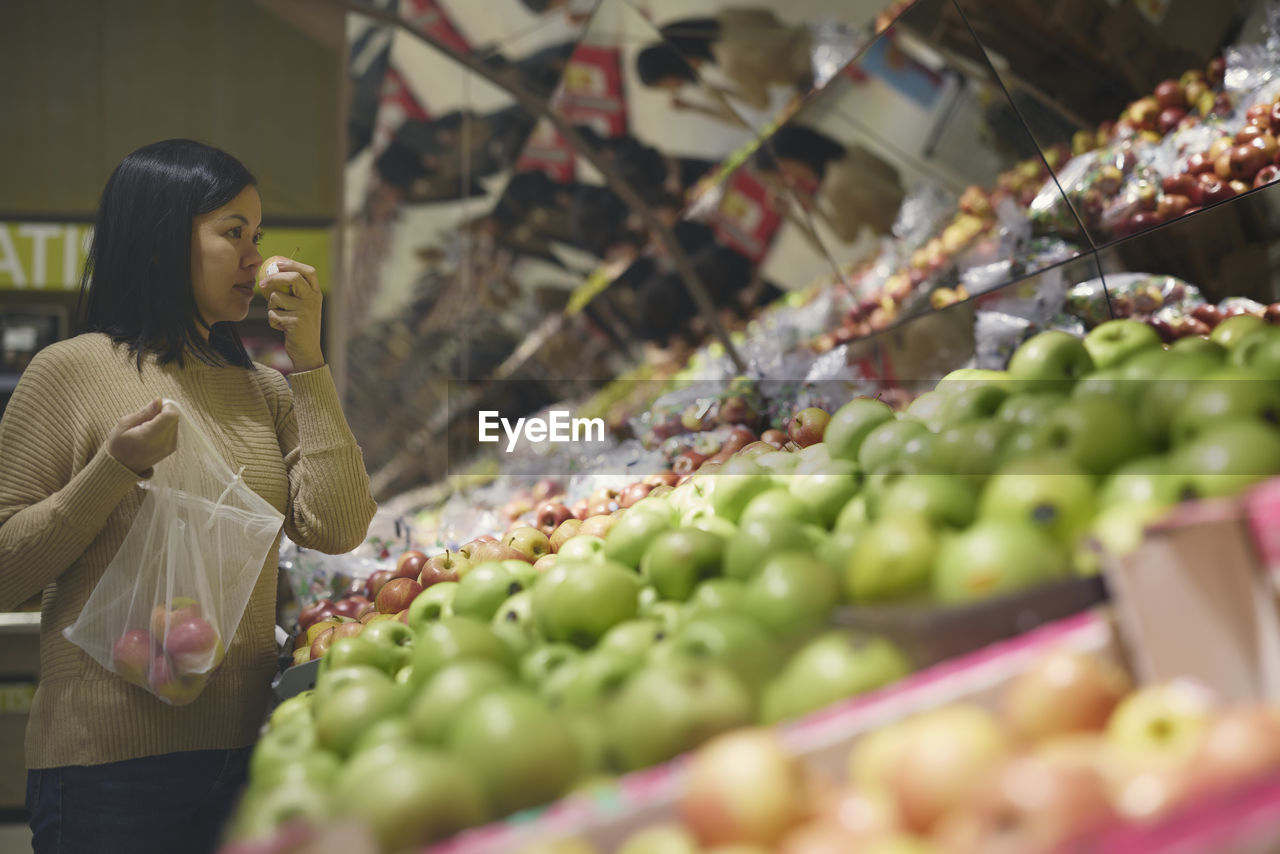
<point x="65" y="506"/>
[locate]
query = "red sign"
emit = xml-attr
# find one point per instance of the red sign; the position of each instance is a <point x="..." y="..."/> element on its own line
<point x="547" y="151"/>
<point x="745" y="220"/>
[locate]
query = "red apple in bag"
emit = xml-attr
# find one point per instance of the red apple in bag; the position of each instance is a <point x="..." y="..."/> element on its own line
<point x="132" y="655"/>
<point x="194" y="646"/>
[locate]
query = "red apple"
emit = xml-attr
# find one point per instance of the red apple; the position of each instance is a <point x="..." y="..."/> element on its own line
<point x="564" y="531"/>
<point x="446" y="566"/>
<point x="738" y="438"/>
<point x="580" y="508"/>
<point x="409" y="564"/>
<point x="742" y="787"/>
<point x="171" y="613"/>
<point x="132" y="655"/>
<point x="687" y="462"/>
<point x="1208" y="314"/>
<point x="1240" y="745"/>
<point x="1213" y="190"/>
<point x="597" y="526"/>
<point x="348" y="629"/>
<point x="549" y="516"/>
<point x="486" y="552"/>
<point x="633" y="492"/>
<point x="1215" y="70"/>
<point x="530" y="542"/>
<point x="1272" y="313"/>
<point x="351" y="606"/>
<point x="396" y="595"/>
<point x="662" y="478"/>
<point x="1199" y="163"/>
<point x="1064" y="692"/>
<point x="315" y="612"/>
<point x="808" y="426"/>
<point x="1266" y="175"/>
<point x="1172" y="206"/>
<point x="1168" y="93"/>
<point x="170" y="685"/>
<point x="376" y="582"/>
<point x="193" y="646"/>
<point x="774" y="437"/>
<point x="1169" y="118"/>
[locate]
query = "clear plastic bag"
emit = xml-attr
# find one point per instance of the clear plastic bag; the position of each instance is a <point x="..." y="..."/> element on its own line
<point x="171" y="599"/>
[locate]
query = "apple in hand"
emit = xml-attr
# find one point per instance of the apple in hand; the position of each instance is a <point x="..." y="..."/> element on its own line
<point x="194" y="646"/>
<point x="1114" y="341"/>
<point x="132" y="654"/>
<point x="164" y="615"/>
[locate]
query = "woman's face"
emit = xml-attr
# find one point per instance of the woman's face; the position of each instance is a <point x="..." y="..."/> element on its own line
<point x="225" y="258"/>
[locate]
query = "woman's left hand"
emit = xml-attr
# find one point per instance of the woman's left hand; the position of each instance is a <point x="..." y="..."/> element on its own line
<point x="293" y="307"/>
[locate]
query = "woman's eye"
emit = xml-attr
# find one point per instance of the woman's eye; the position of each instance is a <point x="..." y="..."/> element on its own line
<point x="234" y="233"/>
<point x="257" y="238"/>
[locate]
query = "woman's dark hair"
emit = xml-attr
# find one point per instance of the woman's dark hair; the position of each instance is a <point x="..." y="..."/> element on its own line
<point x="136" y="285"/>
<point x="692" y="36"/>
<point x="661" y="61"/>
<point x="797" y="142"/>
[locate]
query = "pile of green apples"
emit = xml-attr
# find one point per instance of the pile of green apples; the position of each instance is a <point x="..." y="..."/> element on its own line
<point x="707" y="605"/>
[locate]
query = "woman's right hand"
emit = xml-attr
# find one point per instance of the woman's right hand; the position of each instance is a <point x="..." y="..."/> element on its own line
<point x="144" y="438"/>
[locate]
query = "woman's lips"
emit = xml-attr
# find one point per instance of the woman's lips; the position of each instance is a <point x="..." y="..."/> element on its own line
<point x="246" y="289"/>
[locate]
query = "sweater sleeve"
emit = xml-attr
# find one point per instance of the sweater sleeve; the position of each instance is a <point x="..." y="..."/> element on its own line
<point x="57" y="489"/>
<point x="330" y="506"/>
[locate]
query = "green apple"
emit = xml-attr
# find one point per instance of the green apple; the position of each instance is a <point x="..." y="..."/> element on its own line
<point x="733" y="486"/>
<point x="1228" y="394"/>
<point x="826" y="492"/>
<point x="1097" y="433"/>
<point x="973" y="404"/>
<point x="714" y="596"/>
<point x="1146" y="480"/>
<point x="328" y="683"/>
<point x="669" y="838"/>
<point x="626" y="541"/>
<point x="972" y="448"/>
<point x="669" y="615"/>
<point x="590" y="681"/>
<point x="884" y="444"/>
<point x="514" y="624"/>
<point x="1233" y="330"/>
<point x="778" y="463"/>
<point x="776" y="503"/>
<point x="757" y="539"/>
<point x="520" y="750"/>
<point x="792" y="592"/>
<point x="1051" y="494"/>
<point x="1111" y="383"/>
<point x="356" y="650"/>
<point x="582" y="547"/>
<point x="1259" y="353"/>
<point x="578" y="602"/>
<point x="393" y="636"/>
<point x="920" y="454"/>
<point x="537" y="665"/>
<point x="996" y="556"/>
<point x="452" y="639"/>
<point x="675" y="562"/>
<point x="966" y="378"/>
<point x="1051" y="360"/>
<point x="1024" y="409"/>
<point x="1166" y="393"/>
<point x="1150" y="363"/>
<point x="944" y="500"/>
<point x="1162" y="721"/>
<point x="422" y="797"/>
<point x="732" y="640"/>
<point x="833" y="666"/>
<point x="1115" y="341"/>
<point x="483" y="590"/>
<point x="294" y="740"/>
<point x="928" y="409"/>
<point x="1116" y="530"/>
<point x="315" y="766"/>
<point x="352" y="709"/>
<point x="295" y="708"/>
<point x="432" y="604"/>
<point x="260" y="817"/>
<point x="837" y="548"/>
<point x="632" y="639"/>
<point x="855" y="514"/>
<point x="1228" y="458"/>
<point x="659" y="505"/>
<point x="892" y="560"/>
<point x="850" y="425"/>
<point x="668" y="708"/>
<point x="722" y="528"/>
<point x="387" y="735"/>
<point x="1198" y="345"/>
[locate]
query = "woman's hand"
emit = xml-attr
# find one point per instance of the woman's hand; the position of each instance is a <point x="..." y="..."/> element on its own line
<point x="293" y="307"/>
<point x="144" y="438"/>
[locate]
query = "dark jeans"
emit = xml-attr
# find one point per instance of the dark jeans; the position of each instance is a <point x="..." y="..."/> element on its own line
<point x="176" y="803"/>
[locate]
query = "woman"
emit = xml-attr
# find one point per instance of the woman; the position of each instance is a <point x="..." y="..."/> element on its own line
<point x="170" y="271"/>
<point x="847" y="186"/>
